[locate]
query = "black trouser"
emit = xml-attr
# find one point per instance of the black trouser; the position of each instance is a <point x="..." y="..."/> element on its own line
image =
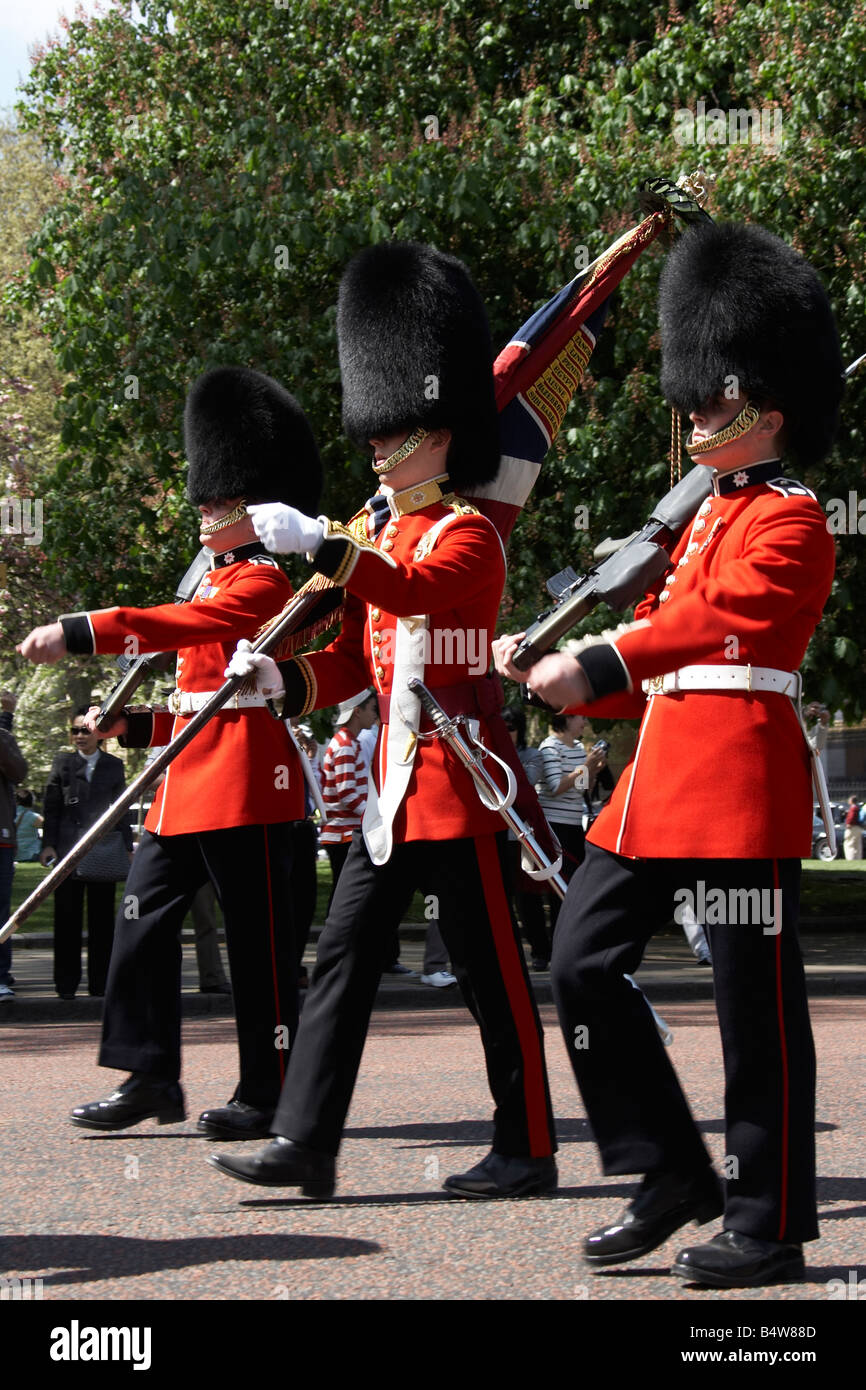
<point x="68" y="914"/>
<point x="571" y="838"/>
<point x="304" y="881"/>
<point x="478" y="929"/>
<point x="250" y="868"/>
<point x="530" y="907"/>
<point x="337" y="855"/>
<point x="639" y="1115"/>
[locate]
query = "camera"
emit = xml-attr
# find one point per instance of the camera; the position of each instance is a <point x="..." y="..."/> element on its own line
<point x="601" y="747"/>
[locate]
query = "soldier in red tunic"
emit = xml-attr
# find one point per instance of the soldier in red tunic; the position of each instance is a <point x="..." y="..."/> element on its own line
<point x="423" y="574"/>
<point x="715" y="809"/>
<point x="225" y="808"/>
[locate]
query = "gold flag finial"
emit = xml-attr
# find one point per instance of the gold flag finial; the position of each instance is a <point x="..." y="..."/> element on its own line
<point x="699" y="184"/>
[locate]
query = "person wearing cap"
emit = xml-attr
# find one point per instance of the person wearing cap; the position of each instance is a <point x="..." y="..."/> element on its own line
<point x="344" y="779"/>
<point x="750" y="352"/>
<point x="224" y="809"/>
<point x="423" y="573"/>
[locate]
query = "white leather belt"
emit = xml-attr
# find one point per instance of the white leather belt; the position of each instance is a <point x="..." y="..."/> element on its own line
<point x="189" y="702"/>
<point x="725" y="677"/>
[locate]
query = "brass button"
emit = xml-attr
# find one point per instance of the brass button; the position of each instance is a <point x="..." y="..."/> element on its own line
<point x="391" y="531"/>
<point x="705" y="508"/>
<point x="380" y="672"/>
<point x="387" y="545"/>
<point x="664" y="595"/>
<point x="699" y="525"/>
<point x="671" y="579"/>
<point x="375" y="614"/>
<point x="376" y="639"/>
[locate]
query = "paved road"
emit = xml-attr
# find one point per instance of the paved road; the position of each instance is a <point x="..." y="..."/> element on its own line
<point x="139" y="1215"/>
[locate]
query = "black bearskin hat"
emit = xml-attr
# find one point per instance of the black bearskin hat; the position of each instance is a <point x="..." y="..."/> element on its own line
<point x="247" y="437"/>
<point x="735" y="301"/>
<point x="415" y="350"/>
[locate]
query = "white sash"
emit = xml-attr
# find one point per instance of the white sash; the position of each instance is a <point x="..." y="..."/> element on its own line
<point x="403" y="724"/>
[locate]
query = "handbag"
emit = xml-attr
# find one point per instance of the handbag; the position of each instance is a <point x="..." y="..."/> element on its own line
<point x="107" y="862"/>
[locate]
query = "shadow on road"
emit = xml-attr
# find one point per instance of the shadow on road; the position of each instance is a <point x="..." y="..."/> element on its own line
<point x="85" y="1258"/>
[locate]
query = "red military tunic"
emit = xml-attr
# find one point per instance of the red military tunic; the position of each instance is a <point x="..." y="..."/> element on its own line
<point x="721" y="775"/>
<point x="456" y="579"/>
<point x="241" y="768"/>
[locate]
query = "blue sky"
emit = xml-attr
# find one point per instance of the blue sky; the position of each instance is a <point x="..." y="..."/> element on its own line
<point x="23" y="23"/>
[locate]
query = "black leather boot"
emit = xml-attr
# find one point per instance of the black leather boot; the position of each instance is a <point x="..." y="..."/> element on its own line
<point x="283" y="1163"/>
<point x="139" y="1098"/>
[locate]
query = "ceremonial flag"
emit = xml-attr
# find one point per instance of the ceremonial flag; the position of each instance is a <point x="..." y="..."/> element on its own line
<point x="538" y="372"/>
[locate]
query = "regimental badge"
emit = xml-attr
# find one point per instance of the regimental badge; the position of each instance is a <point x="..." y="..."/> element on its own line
<point x="741" y="479"/>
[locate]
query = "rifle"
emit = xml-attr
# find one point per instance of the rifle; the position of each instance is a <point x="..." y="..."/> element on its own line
<point x="623" y="577"/>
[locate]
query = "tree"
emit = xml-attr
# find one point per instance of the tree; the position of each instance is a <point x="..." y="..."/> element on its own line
<point x="223" y="162"/>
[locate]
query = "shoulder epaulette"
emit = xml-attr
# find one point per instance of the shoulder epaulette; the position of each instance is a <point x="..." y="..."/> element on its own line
<point x="789" y="487"/>
<point x="459" y="505"/>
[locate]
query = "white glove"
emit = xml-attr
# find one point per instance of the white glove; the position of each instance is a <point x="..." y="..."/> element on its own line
<point x="285" y="530"/>
<point x="246" y="662"/>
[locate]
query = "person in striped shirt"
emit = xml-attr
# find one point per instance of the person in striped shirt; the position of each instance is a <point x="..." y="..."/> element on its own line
<point x="344" y="779"/>
<point x="567" y="772"/>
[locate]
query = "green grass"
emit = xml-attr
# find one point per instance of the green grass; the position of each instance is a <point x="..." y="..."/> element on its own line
<point x="28" y="876"/>
<point x="835" y="889"/>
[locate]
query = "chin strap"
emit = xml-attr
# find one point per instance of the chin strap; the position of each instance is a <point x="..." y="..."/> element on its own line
<point x="236" y="514"/>
<point x="740" y="425"/>
<point x="406" y="448"/>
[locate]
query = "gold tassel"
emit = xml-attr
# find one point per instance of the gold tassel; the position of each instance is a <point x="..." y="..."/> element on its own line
<point x="676" y="446"/>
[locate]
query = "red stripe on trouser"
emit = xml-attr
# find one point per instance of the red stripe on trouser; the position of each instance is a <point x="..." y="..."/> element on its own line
<point x="280" y="1051"/>
<point x="516" y="989"/>
<point x="783" y="1051"/>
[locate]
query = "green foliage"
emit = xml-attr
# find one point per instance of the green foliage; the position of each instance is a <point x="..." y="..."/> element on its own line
<point x="221" y="162"/>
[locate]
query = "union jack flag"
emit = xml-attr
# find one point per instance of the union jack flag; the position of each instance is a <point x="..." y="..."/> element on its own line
<point x="538" y="372"/>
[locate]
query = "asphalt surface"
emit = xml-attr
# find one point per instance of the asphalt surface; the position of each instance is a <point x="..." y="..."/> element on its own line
<point x="135" y="1225"/>
<point x="139" y="1215"/>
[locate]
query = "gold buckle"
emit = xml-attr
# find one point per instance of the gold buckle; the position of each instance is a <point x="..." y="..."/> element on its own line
<point x="174" y="702"/>
<point x="656" y="684"/>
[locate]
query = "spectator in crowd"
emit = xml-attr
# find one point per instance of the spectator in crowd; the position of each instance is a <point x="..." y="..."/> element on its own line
<point x="27" y="826"/>
<point x="345" y="769"/>
<point x="13" y="769"/>
<point x="567" y="772"/>
<point x="344" y="779"/>
<point x="528" y="894"/>
<point x="81" y="786"/>
<point x="305" y="842"/>
<point x="853" y="838"/>
<point x="211" y="971"/>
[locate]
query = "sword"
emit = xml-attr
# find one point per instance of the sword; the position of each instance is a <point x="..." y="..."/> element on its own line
<point x="293" y="616"/>
<point x="471" y="753"/>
